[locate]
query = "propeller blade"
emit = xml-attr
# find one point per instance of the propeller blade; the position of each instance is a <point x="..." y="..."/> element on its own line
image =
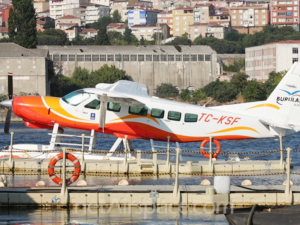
<point x="10" y="86"/>
<point x="7" y="121"/>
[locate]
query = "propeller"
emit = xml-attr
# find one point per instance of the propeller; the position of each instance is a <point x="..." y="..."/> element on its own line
<point x="8" y="103"/>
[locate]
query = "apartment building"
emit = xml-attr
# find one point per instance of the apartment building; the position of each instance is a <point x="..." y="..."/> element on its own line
<point x="88" y="33"/>
<point x="182" y="18"/>
<point x="119" y="27"/>
<point x="142" y="16"/>
<point x="4" y="13"/>
<point x="68" y="19"/>
<point x="166" y="18"/>
<point x="94" y="12"/>
<point x="71" y="29"/>
<point x="211" y="29"/>
<point x="276" y="56"/>
<point x="222" y="19"/>
<point x="3" y="32"/>
<point x="249" y="18"/>
<point x="101" y="2"/>
<point x="202" y="12"/>
<point x="145" y="31"/>
<point x="77" y="12"/>
<point x="284" y="12"/>
<point x="40" y="6"/>
<point x="58" y="7"/>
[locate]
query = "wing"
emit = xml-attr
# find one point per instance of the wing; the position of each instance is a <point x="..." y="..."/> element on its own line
<point x="124" y="92"/>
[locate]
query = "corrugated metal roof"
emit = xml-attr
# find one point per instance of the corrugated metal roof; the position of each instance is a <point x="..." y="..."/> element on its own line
<point x="13" y="50"/>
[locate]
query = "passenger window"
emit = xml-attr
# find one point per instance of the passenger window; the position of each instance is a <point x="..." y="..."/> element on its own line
<point x="115" y="107"/>
<point x="157" y="113"/>
<point x="138" y="110"/>
<point x="190" y="117"/>
<point x="172" y="115"/>
<point x="95" y="104"/>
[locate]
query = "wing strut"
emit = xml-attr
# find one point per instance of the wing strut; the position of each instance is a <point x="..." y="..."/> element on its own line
<point x="103" y="108"/>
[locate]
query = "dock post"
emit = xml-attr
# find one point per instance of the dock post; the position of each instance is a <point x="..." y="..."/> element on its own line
<point x="11" y="159"/>
<point x="281" y="152"/>
<point x="154" y="162"/>
<point x="125" y="164"/>
<point x="64" y="189"/>
<point x="82" y="163"/>
<point x="288" y="191"/>
<point x="176" y="191"/>
<point x="210" y="155"/>
<point x="168" y="152"/>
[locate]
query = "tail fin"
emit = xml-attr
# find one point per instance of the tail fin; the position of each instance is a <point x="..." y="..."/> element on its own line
<point x="286" y="96"/>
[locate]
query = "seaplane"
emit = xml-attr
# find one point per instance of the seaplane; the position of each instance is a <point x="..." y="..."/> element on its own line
<point x="125" y="110"/>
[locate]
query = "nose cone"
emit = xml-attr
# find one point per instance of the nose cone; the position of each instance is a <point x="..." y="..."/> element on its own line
<point x="6" y="103"/>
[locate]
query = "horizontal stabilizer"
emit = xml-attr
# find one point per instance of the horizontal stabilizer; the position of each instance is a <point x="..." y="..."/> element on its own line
<point x="270" y="123"/>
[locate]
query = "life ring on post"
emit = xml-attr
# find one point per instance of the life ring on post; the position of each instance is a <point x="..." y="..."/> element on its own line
<point x="58" y="157"/>
<point x="206" y="154"/>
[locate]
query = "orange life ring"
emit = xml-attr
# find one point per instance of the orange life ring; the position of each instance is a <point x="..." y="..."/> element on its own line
<point x="205" y="154"/>
<point x="58" y="157"/>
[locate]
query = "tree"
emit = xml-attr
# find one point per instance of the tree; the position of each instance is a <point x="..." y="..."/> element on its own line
<point x="116" y="17"/>
<point x="81" y="77"/>
<point x="102" y="38"/>
<point x="115" y="37"/>
<point x="22" y="24"/>
<point x="273" y="81"/>
<point x="221" y="91"/>
<point x="52" y="37"/>
<point x="199" y="95"/>
<point x="185" y="95"/>
<point x="142" y="41"/>
<point x="166" y="90"/>
<point x="101" y="23"/>
<point x="49" y="24"/>
<point x="127" y="35"/>
<point x="254" y="91"/>
<point x="107" y="74"/>
<point x="236" y="67"/>
<point x="183" y="40"/>
<point x="239" y="81"/>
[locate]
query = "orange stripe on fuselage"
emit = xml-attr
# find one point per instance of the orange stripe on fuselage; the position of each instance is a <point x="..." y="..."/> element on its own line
<point x="265" y="105"/>
<point x="234" y="129"/>
<point x="55" y="106"/>
<point x="137" y="116"/>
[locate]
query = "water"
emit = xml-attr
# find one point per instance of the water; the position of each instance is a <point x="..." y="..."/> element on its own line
<point x="136" y="215"/>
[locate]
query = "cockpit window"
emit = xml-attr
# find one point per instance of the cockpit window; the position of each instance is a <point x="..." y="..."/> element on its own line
<point x="95" y="104"/>
<point x="76" y="97"/>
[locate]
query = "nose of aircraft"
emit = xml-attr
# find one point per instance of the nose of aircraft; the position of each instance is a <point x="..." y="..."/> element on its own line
<point x="6" y="103"/>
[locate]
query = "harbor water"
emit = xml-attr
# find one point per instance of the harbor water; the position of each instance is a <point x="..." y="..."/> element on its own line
<point x="118" y="215"/>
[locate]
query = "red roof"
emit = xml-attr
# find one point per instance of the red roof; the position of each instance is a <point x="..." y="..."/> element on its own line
<point x="184" y="8"/>
<point x="117" y="25"/>
<point x="69" y="17"/>
<point x="285" y="42"/>
<point x="200" y="5"/>
<point x="89" y="30"/>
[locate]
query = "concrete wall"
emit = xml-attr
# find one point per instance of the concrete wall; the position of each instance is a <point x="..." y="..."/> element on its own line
<point x="29" y="75"/>
<point x="181" y="74"/>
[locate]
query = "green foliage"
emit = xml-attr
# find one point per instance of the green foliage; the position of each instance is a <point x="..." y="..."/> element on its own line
<point x="234" y="36"/>
<point x="254" y="91"/>
<point x="220" y="45"/>
<point x="127" y="35"/>
<point x="52" y="37"/>
<point x="166" y="90"/>
<point x="185" y="95"/>
<point x="236" y="67"/>
<point x="62" y="85"/>
<point x="49" y="24"/>
<point x="239" y="81"/>
<point x="115" y="38"/>
<point x="183" y="40"/>
<point x="81" y="77"/>
<point x="80" y="40"/>
<point x="199" y="95"/>
<point x="116" y="17"/>
<point x="221" y="91"/>
<point x="102" y="38"/>
<point x="101" y="23"/>
<point x="22" y="24"/>
<point x="273" y="81"/>
<point x="107" y="74"/>
<point x="4" y="39"/>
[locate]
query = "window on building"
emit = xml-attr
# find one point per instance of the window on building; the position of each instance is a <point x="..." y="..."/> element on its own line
<point x="201" y="57"/>
<point x="295" y="14"/>
<point x="295" y="50"/>
<point x="80" y="58"/>
<point x="263" y="22"/>
<point x="256" y="10"/>
<point x="263" y="10"/>
<point x="240" y="11"/>
<point x="274" y="2"/>
<point x="234" y="17"/>
<point x="172" y="115"/>
<point x="163" y="57"/>
<point x="71" y="57"/>
<point x="56" y="58"/>
<point x="148" y="57"/>
<point x="110" y="57"/>
<point x="193" y="57"/>
<point x="133" y="57"/>
<point x="295" y="60"/>
<point x="186" y="57"/>
<point x="178" y="57"/>
<point x="87" y="58"/>
<point x="64" y="58"/>
<point x="207" y="58"/>
<point x="102" y="58"/>
<point x="170" y="57"/>
<point x="156" y="58"/>
<point x="233" y="11"/>
<point x="141" y="58"/>
<point x="95" y="57"/>
<point x="233" y="23"/>
<point x="126" y="58"/>
<point x="118" y="57"/>
<point x="157" y="113"/>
